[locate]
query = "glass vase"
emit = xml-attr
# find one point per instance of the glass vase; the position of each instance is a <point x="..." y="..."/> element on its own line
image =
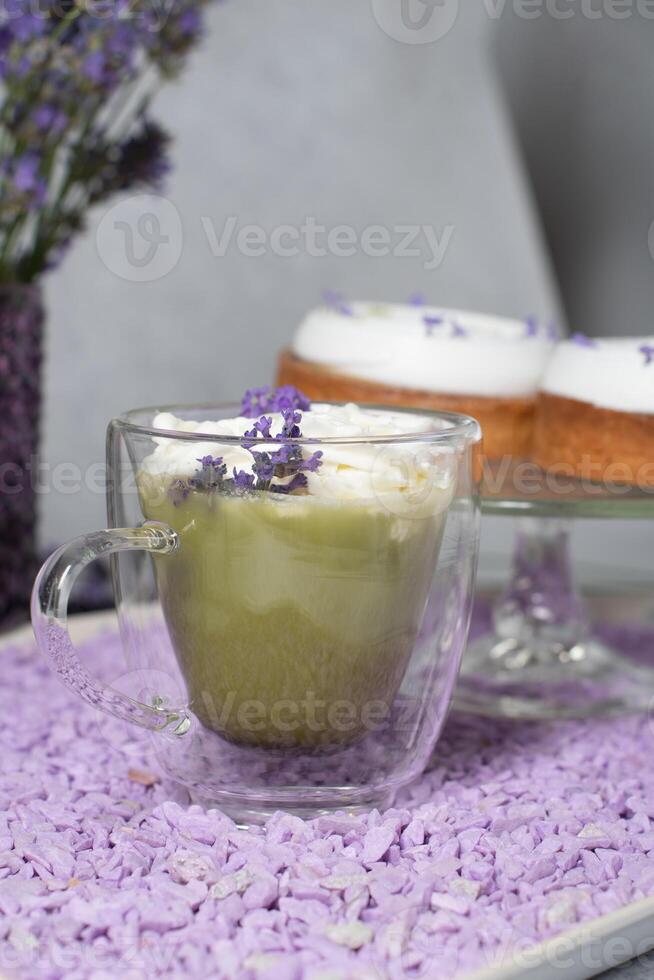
<point x="21" y="331"/>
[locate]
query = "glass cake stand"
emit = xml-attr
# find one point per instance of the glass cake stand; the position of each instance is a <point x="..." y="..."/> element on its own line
<point x="539" y="657"/>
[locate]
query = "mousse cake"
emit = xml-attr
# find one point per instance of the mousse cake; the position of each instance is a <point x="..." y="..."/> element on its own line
<point x="416" y="356"/>
<point x="596" y="411"/>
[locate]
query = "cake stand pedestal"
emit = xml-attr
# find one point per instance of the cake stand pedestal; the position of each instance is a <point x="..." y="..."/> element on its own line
<point x="541" y="659"/>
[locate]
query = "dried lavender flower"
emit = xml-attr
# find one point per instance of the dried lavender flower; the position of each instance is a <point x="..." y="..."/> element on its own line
<point x="431" y="323"/>
<point x="257" y="401"/>
<point x="647" y="350"/>
<point x="211" y="474"/>
<point x="143" y="159"/>
<point x="582" y="340"/>
<point x="179" y="491"/>
<point x="336" y="302"/>
<point x="73" y="76"/>
<point x="281" y="469"/>
<point x="261" y="427"/>
<point x="291" y="426"/>
<point x="299" y="482"/>
<point x="313" y="463"/>
<point x="243" y="481"/>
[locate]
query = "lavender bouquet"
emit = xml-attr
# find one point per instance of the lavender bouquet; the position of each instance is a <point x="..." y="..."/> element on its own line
<point x="77" y="79"/>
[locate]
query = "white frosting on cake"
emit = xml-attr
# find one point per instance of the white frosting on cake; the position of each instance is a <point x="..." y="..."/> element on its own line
<point x="615" y="373"/>
<point x="422" y="476"/>
<point x="428" y="349"/>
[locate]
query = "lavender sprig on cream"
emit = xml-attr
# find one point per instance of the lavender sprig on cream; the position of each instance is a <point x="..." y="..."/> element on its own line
<point x="281" y="470"/>
<point x="287" y="465"/>
<point x="294" y="448"/>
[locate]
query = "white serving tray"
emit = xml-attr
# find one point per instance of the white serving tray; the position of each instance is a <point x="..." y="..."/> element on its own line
<point x="583" y="951"/>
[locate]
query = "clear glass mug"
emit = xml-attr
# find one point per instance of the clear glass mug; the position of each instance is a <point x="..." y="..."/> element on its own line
<point x="292" y="652"/>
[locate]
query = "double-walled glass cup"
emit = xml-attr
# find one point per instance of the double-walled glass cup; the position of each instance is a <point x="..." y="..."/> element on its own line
<point x="295" y="651"/>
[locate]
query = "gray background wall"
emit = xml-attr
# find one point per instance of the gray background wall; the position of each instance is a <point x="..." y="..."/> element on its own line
<point x="580" y="93"/>
<point x="312" y="109"/>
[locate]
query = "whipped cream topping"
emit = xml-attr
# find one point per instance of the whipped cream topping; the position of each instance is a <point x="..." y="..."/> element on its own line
<point x="615" y="373"/>
<point x="413" y="473"/>
<point x="428" y="349"/>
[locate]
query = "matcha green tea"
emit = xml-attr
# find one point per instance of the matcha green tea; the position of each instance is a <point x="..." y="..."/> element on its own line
<point x="292" y="617"/>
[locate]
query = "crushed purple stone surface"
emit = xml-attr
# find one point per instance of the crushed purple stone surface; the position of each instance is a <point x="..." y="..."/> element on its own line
<point x="517" y="833"/>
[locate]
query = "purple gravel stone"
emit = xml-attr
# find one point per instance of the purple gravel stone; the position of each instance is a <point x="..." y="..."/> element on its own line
<point x="376" y="843"/>
<point x="307" y="911"/>
<point x="452" y="903"/>
<point x="512" y="837"/>
<point x="611" y="860"/>
<point x="308" y="890"/>
<point x="262" y="893"/>
<point x="186" y="866"/>
<point x="542" y="868"/>
<point x="593" y="867"/>
<point x="197" y="827"/>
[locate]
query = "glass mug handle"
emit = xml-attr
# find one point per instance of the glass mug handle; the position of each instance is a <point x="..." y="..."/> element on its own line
<point x="50" y="597"/>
